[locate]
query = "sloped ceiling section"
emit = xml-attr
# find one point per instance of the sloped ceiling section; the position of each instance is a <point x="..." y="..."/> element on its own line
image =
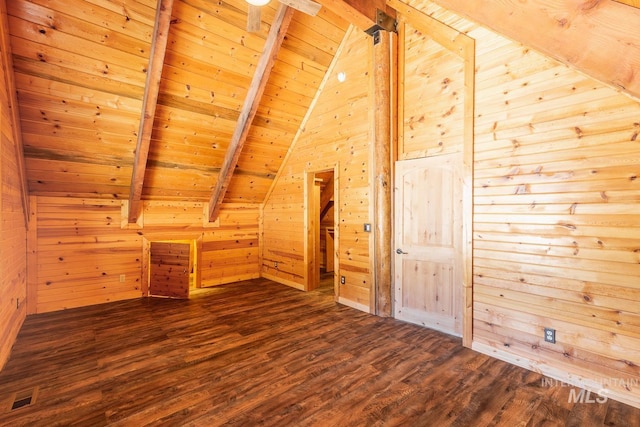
<point x="80" y="70"/>
<point x="596" y="37"/>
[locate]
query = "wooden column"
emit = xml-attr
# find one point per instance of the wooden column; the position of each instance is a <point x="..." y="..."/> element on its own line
<point x="382" y="171"/>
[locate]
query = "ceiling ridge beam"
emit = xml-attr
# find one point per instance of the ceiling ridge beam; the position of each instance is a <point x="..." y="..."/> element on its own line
<point x="149" y="104"/>
<point x="265" y="64"/>
<point x="10" y="86"/>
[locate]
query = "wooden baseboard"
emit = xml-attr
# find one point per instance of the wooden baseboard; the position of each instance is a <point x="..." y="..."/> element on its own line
<point x="283" y="281"/>
<point x="353" y="304"/>
<point x="601" y="386"/>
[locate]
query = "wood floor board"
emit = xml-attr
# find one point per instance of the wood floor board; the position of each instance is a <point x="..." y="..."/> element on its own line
<point x="258" y="353"/>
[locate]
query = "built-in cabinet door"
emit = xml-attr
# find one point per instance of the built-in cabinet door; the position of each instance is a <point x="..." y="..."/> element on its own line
<point x="170" y="266"/>
<point x="428" y="241"/>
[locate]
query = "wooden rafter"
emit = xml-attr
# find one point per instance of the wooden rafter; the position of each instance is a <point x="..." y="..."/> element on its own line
<point x="149" y="103"/>
<point x="7" y="63"/>
<point x="249" y="109"/>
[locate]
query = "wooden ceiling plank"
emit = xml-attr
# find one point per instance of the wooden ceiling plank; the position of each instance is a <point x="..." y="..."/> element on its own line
<point x="9" y="83"/>
<point x="150" y="101"/>
<point x="249" y="109"/>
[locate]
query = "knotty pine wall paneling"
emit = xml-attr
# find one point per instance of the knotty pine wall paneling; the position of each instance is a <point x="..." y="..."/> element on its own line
<point x="82" y="249"/>
<point x="338" y="132"/>
<point x="556" y="216"/>
<point x="13" y="233"/>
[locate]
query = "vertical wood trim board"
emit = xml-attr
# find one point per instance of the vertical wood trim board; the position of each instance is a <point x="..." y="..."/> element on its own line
<point x="336" y="231"/>
<point x="32" y="256"/>
<point x="556" y="216"/>
<point x="467" y="188"/>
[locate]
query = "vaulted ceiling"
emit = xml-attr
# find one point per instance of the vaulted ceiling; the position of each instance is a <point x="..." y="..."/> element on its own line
<point x="122" y="99"/>
<point x="80" y="72"/>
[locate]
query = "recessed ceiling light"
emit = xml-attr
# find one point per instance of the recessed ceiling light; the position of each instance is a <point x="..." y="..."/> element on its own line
<point x="342" y="76"/>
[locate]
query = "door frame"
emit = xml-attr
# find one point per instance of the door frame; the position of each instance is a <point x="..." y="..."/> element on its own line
<point x="312" y="229"/>
<point x="195" y="243"/>
<point x="440" y="253"/>
<point x="463" y="46"/>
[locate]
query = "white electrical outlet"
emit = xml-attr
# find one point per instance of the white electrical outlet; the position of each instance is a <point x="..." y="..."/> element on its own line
<point x="550" y="335"/>
<point x="122" y="277"/>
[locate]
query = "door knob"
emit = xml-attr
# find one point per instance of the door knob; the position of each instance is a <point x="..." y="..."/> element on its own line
<point x="400" y="252"/>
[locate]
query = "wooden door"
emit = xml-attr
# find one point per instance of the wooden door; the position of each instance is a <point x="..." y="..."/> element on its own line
<point x="428" y="242"/>
<point x="170" y="265"/>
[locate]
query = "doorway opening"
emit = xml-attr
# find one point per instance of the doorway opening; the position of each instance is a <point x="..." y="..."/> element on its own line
<point x="172" y="267"/>
<point x="321" y="241"/>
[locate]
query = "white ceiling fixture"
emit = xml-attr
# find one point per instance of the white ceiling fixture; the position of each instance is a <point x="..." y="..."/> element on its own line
<point x="309" y="7"/>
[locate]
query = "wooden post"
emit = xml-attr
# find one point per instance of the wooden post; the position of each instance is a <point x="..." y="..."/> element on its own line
<point x="6" y="61"/>
<point x="382" y="171"/>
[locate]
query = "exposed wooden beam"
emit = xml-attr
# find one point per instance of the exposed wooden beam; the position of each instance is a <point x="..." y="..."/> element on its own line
<point x="360" y="13"/>
<point x="10" y="87"/>
<point x="272" y="46"/>
<point x="149" y="103"/>
<point x="598" y="38"/>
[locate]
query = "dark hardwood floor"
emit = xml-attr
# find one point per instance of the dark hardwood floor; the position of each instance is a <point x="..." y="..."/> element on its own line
<point x="258" y="353"/>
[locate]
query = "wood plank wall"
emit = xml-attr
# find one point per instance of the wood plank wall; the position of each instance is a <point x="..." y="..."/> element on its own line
<point x="337" y="133"/>
<point x="82" y="251"/>
<point x="13" y="235"/>
<point x="432" y="97"/>
<point x="556" y="218"/>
